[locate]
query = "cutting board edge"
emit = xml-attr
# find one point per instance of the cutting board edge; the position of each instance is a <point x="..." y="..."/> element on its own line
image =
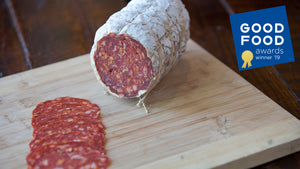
<point x="244" y="162"/>
<point x="266" y="155"/>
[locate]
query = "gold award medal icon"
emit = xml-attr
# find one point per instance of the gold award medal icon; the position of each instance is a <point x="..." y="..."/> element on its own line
<point x="247" y="57"/>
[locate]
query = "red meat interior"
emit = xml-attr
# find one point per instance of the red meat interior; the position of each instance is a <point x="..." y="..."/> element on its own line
<point x="123" y="65"/>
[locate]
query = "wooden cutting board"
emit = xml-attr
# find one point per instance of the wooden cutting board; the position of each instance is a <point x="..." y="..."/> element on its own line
<point x="202" y="115"/>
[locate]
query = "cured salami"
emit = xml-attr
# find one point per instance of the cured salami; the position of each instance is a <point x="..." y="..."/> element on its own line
<point x="73" y="137"/>
<point x="64" y="127"/>
<point x="33" y="157"/>
<point x="64" y="106"/>
<point x="68" y="133"/>
<point x="138" y="45"/>
<point x="69" y="156"/>
<point x="65" y="119"/>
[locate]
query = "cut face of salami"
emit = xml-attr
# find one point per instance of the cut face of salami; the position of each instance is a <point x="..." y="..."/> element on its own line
<point x="68" y="133"/>
<point x="138" y="46"/>
<point x="123" y="65"/>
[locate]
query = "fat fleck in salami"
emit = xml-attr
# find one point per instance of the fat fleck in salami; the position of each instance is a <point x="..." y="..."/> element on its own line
<point x="138" y="45"/>
<point x="68" y="133"/>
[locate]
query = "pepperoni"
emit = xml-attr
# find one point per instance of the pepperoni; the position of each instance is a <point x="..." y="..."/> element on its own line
<point x="123" y="65"/>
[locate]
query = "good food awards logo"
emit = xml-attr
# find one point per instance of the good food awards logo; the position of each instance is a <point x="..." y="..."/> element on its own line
<point x="262" y="38"/>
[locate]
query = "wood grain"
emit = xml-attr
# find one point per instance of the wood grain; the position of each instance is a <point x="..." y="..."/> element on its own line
<point x="195" y="116"/>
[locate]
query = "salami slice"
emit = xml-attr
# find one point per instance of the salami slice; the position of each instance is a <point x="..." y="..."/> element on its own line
<point x="68" y="121"/>
<point x="57" y="139"/>
<point x="66" y="118"/>
<point x="34" y="156"/>
<point x="64" y="127"/>
<point x="95" y="161"/>
<point x="68" y="133"/>
<point x="138" y="45"/>
<point x="68" y="156"/>
<point x="64" y="106"/>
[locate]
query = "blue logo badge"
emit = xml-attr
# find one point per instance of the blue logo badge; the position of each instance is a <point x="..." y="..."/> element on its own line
<point x="262" y="38"/>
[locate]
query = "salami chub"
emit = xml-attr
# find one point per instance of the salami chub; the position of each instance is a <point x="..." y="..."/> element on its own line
<point x="68" y="133"/>
<point x="138" y="45"/>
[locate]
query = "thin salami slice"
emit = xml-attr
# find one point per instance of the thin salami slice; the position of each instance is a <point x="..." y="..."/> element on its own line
<point x="64" y="106"/>
<point x="73" y="125"/>
<point x="58" y="139"/>
<point x="67" y="118"/>
<point x="95" y="161"/>
<point x="68" y="156"/>
<point x="32" y="157"/>
<point x="68" y="133"/>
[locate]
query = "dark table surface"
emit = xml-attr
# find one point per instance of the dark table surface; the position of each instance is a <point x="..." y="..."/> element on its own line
<point x="34" y="33"/>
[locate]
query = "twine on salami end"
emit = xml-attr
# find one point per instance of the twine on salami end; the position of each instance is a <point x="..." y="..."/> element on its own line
<point x="142" y="102"/>
<point x="106" y="93"/>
